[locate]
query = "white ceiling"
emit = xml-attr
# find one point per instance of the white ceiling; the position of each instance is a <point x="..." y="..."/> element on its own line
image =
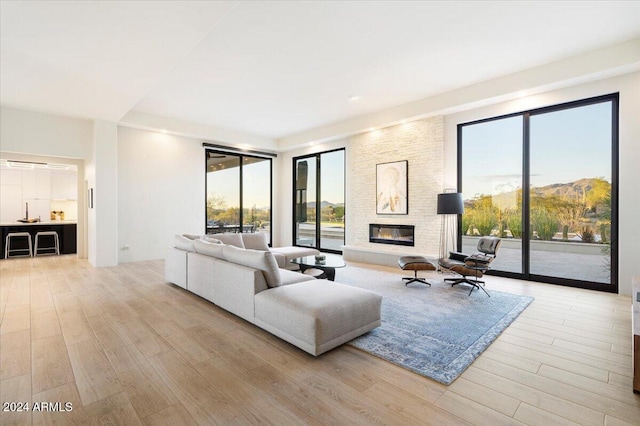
<point x="274" y="69"/>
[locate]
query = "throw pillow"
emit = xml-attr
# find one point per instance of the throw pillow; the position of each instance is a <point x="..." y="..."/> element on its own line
<point x="255" y="241"/>
<point x="183" y="243"/>
<point x="208" y="248"/>
<point x="191" y="236"/>
<point x="211" y="239"/>
<point x="262" y="260"/>
<point x="231" y="239"/>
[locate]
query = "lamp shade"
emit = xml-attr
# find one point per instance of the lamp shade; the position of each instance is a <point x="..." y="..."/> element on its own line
<point x="450" y="203"/>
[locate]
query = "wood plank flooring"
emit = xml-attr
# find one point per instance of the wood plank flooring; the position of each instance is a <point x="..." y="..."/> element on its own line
<point x="125" y="348"/>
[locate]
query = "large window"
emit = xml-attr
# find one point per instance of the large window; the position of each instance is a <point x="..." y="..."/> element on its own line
<point x="238" y="193"/>
<point x="319" y="205"/>
<point x="560" y="230"/>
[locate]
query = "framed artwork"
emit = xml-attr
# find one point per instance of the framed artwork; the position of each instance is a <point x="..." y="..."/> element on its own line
<point x="392" y="183"/>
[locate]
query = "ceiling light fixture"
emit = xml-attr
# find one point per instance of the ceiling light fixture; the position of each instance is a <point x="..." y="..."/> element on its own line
<point x="354" y="97"/>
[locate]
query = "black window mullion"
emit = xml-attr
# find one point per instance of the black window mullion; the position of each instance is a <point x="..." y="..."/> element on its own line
<point x="526" y="197"/>
<point x="318" y="201"/>
<point x="241" y="212"/>
<point x="459" y="177"/>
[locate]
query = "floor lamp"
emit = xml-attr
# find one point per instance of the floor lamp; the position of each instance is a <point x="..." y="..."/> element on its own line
<point x="450" y="205"/>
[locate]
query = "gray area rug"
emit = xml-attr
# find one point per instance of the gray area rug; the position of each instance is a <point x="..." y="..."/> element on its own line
<point x="434" y="331"/>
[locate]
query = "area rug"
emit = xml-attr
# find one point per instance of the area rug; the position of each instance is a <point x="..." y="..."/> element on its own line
<point x="434" y="331"/>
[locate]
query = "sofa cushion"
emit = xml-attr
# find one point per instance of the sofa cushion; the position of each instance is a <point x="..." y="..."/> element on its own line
<point x="289" y="253"/>
<point x="290" y="277"/>
<point x="191" y="236"/>
<point x="183" y="243"/>
<point x="211" y="239"/>
<point x="262" y="260"/>
<point x="209" y="248"/>
<point x="231" y="239"/>
<point x="255" y="241"/>
<point x="317" y="315"/>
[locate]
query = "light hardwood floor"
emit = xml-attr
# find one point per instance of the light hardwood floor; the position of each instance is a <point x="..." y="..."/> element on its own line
<point x="126" y="348"/>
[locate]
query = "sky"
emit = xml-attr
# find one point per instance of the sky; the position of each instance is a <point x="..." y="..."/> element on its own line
<point x="566" y="145"/>
<point x="256" y="189"/>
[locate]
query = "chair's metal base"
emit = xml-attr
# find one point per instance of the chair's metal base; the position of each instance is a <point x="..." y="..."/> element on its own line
<point x="415" y="279"/>
<point x="464" y="280"/>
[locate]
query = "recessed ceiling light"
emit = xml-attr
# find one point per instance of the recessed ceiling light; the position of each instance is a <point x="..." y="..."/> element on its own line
<point x="371" y="129"/>
<point x="354" y="97"/>
<point x="164" y="130"/>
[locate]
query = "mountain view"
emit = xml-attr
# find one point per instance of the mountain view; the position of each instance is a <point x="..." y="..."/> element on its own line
<point x="557" y="211"/>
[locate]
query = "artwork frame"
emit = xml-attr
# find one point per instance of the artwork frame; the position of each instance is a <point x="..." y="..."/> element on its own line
<point x="392" y="188"/>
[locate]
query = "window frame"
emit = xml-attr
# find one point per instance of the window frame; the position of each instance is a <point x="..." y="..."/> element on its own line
<point x="241" y="156"/>
<point x="612" y="287"/>
<point x="317" y="195"/>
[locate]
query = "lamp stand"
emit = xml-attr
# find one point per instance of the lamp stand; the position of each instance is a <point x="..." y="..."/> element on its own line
<point x="447" y="234"/>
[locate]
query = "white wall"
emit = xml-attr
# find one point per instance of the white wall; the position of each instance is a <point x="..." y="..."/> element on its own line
<point x="161" y="191"/>
<point x="628" y="86"/>
<point x="103" y="218"/>
<point x="38" y="133"/>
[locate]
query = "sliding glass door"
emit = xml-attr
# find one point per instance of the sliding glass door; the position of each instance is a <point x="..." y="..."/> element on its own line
<point x="492" y="188"/>
<point x="238" y="193"/>
<point x="570" y="192"/>
<point x="565" y="156"/>
<point x="319" y="205"/>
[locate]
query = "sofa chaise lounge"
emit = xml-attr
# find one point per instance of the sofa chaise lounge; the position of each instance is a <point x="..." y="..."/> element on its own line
<point x="314" y="315"/>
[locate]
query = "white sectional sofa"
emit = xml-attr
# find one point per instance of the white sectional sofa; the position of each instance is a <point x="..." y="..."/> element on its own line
<point x="314" y="315"/>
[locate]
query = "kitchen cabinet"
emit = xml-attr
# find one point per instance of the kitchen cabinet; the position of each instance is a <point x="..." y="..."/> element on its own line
<point x="11" y="207"/>
<point x="64" y="186"/>
<point x="36" y="184"/>
<point x="10" y="177"/>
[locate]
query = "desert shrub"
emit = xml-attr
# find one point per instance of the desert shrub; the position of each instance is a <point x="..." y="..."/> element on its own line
<point x="513" y="221"/>
<point x="545" y="224"/>
<point x="484" y="219"/>
<point x="587" y="235"/>
<point x="467" y="225"/>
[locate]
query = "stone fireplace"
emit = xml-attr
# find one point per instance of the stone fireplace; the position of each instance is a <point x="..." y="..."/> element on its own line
<point x="399" y="235"/>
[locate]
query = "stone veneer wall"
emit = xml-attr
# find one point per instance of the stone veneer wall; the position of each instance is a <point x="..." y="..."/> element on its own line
<point x="420" y="142"/>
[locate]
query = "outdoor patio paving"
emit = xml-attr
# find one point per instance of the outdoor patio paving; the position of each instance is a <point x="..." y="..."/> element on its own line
<point x="577" y="266"/>
<point x="586" y="267"/>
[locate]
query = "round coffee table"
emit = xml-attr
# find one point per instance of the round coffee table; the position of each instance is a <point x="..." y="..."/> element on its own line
<point x="327" y="266"/>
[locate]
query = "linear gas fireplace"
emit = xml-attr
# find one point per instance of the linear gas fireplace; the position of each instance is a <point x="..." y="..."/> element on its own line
<point x="400" y="235"/>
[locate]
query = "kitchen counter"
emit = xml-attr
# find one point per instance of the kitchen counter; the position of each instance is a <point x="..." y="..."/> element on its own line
<point x="44" y="222"/>
<point x="66" y="229"/>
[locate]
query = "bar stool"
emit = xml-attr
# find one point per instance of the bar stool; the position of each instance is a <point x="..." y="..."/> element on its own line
<point x="7" y="244"/>
<point x="55" y="245"/>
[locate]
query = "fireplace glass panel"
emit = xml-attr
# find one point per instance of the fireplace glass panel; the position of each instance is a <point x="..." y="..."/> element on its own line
<point x="402" y="235"/>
